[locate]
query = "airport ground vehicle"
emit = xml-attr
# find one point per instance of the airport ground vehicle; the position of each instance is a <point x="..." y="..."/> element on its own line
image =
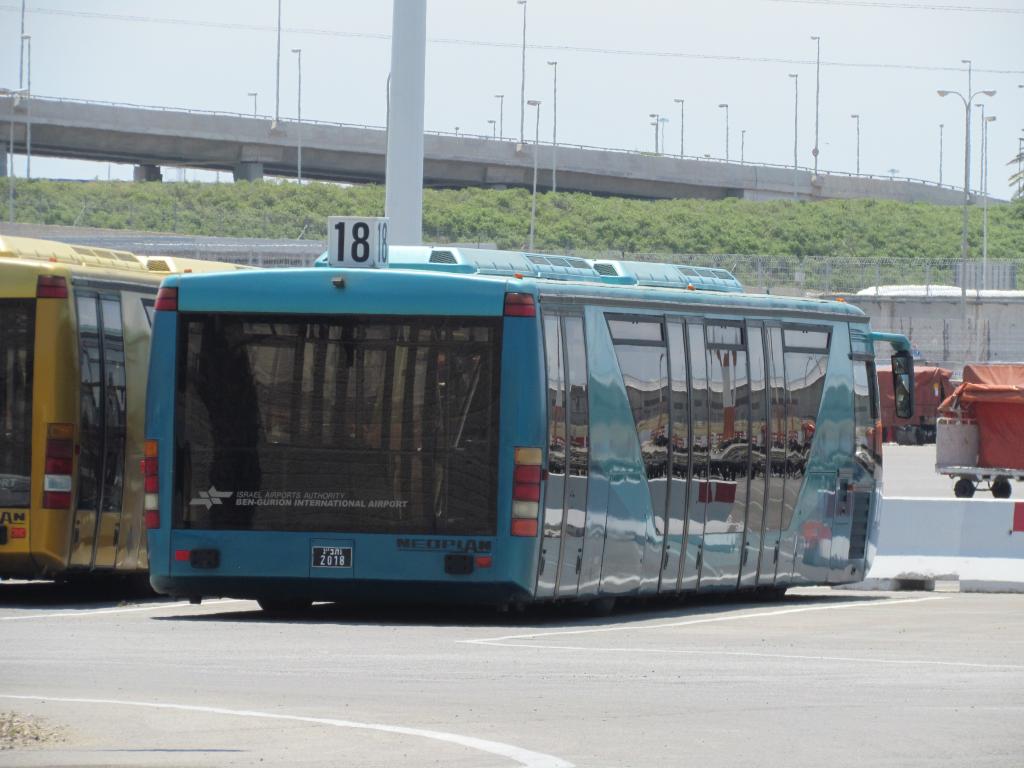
<point x="979" y="435"/>
<point x="931" y="387"/>
<point x="74" y="341"/>
<point x="504" y="428"/>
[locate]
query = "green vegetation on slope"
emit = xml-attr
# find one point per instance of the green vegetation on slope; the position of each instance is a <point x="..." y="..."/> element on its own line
<point x="566" y="222"/>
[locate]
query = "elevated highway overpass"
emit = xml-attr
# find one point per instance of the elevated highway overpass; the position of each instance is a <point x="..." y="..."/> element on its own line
<point x="250" y="147"/>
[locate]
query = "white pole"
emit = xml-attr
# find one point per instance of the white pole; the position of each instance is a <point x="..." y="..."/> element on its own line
<point x="554" y="131"/>
<point x="817" y="93"/>
<point x="403" y="190"/>
<point x="536" y="149"/>
<point x="277" y="80"/>
<point x="522" y="82"/>
<point x="28" y="109"/>
<point x="298" y="52"/>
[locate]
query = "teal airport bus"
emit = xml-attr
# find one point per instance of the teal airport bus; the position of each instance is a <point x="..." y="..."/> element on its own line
<point x="507" y="428"/>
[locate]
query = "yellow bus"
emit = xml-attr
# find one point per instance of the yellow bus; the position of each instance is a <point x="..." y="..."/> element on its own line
<point x="74" y="350"/>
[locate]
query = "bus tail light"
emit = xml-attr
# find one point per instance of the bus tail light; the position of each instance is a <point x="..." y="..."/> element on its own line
<point x="520" y="305"/>
<point x="526" y="480"/>
<point x="51" y="287"/>
<point x="167" y="300"/>
<point x="151" y="481"/>
<point x="60" y="451"/>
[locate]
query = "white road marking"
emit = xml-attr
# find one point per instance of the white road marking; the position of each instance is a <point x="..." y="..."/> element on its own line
<point x="523" y="757"/>
<point x="761" y="655"/>
<point x="709" y="620"/>
<point x="108" y="611"/>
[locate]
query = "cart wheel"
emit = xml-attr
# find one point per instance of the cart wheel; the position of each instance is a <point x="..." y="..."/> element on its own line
<point x="1001" y="488"/>
<point x="964" y="488"/>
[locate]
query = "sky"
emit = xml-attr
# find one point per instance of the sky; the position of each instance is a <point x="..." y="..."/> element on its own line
<point x="618" y="62"/>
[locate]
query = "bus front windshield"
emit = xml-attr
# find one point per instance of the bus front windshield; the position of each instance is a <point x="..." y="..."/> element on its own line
<point x="17" y="341"/>
<point x="374" y="425"/>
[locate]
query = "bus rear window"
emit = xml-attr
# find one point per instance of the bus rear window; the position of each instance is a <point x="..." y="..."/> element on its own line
<point x="347" y="424"/>
<point x="17" y="341"/>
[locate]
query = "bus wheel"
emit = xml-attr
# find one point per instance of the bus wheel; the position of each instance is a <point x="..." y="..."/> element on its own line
<point x="964" y="488"/>
<point x="285" y="607"/>
<point x="1001" y="488"/>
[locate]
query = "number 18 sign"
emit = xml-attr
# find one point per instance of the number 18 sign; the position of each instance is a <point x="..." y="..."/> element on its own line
<point x="357" y="241"/>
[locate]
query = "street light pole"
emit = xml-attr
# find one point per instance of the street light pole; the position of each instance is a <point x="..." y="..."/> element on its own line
<point x="654" y="121"/>
<point x="522" y="83"/>
<point x="941" y="127"/>
<point x="21" y="50"/>
<point x="682" y="123"/>
<point x="554" y="129"/>
<point x="298" y="52"/>
<point x="817" y="94"/>
<point x="494" y="128"/>
<point x="253" y="94"/>
<point x="857" y="118"/>
<point x="984" y="195"/>
<point x="277" y="80"/>
<point x="726" y="107"/>
<point x="743" y="143"/>
<point x="15" y="96"/>
<point x="536" y="149"/>
<point x="661" y="122"/>
<point x="796" y="124"/>
<point x="964" y="248"/>
<point x="28" y="109"/>
<point x="501" y="115"/>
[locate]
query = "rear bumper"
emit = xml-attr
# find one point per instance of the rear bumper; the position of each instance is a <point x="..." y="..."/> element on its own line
<point x="354" y="591"/>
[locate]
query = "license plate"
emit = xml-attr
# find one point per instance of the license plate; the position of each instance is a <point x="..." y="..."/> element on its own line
<point x="332" y="557"/>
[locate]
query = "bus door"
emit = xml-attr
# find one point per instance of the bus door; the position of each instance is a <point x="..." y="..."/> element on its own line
<point x="565" y="495"/>
<point x="728" y="454"/>
<point x="758" y="439"/>
<point x="103" y="409"/>
<point x="776" y="459"/>
<point x="678" y="460"/>
<point x="696" y="506"/>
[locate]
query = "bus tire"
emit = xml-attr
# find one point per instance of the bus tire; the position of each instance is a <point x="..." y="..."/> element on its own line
<point x="1001" y="488"/>
<point x="287" y="607"/>
<point x="964" y="488"/>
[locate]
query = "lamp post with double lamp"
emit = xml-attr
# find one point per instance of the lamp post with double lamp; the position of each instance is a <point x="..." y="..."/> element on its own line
<point x="554" y="128"/>
<point x="796" y="123"/>
<point x="536" y="150"/>
<point x="501" y="115"/>
<point x="682" y="123"/>
<point x="726" y="108"/>
<point x="253" y="94"/>
<point x="964" y="248"/>
<point x="277" y="78"/>
<point x="298" y="52"/>
<point x="817" y="94"/>
<point x="654" y="121"/>
<point x="494" y="128"/>
<point x="522" y="83"/>
<point x="28" y="108"/>
<point x="857" y="118"/>
<point x="743" y="144"/>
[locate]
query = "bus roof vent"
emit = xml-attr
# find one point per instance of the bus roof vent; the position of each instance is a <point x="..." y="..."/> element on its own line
<point x="662" y="275"/>
<point x="606" y="269"/>
<point x="442" y="257"/>
<point x="154" y="264"/>
<point x="511" y="263"/>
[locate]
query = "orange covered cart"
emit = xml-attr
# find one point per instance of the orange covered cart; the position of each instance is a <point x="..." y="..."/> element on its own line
<point x="980" y="434"/>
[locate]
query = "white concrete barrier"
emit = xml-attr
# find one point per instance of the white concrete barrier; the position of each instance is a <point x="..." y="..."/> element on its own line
<point x="979" y="542"/>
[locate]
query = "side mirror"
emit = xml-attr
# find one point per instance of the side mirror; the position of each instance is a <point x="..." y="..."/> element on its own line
<point x="903" y="383"/>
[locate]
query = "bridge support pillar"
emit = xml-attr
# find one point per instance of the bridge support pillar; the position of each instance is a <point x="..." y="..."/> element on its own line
<point x="248" y="170"/>
<point x="147" y="173"/>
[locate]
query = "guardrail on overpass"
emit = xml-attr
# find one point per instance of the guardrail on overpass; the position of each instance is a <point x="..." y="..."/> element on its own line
<point x="250" y="146"/>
